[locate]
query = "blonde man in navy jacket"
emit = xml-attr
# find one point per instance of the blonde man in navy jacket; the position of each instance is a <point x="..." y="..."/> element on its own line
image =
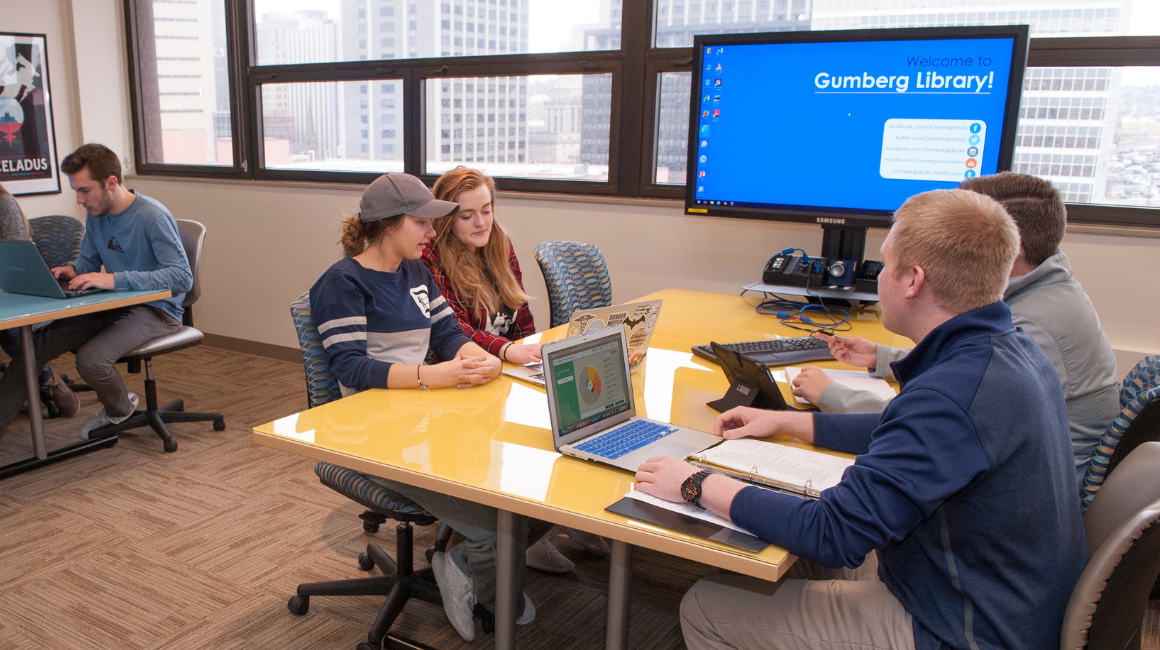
<point x="963" y="487"/>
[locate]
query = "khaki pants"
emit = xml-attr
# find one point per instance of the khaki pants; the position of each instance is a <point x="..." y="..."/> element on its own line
<point x="812" y="608"/>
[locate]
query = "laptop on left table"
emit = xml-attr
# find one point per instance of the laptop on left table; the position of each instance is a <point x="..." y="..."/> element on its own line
<point x="24" y="271"/>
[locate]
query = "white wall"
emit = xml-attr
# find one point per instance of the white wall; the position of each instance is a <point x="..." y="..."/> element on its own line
<point x="267" y="243"/>
<point x="52" y="18"/>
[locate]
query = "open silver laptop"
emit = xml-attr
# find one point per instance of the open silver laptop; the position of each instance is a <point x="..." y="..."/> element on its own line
<point x="592" y="407"/>
<point x="638" y="318"/>
<point x="23" y="270"/>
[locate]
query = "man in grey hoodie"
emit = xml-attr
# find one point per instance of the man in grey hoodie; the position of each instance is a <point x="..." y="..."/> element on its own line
<point x="1046" y="301"/>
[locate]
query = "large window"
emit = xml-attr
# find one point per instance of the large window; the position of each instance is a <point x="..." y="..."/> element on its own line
<point x="588" y="96"/>
<point x="183" y="95"/>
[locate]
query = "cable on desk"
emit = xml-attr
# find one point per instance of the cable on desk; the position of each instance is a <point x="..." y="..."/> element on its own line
<point x="792" y="313"/>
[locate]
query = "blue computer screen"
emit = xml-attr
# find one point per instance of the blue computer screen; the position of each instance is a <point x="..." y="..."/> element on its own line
<point x="860" y="125"/>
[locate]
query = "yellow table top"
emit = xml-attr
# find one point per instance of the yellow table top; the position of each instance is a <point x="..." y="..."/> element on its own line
<point x="493" y="444"/>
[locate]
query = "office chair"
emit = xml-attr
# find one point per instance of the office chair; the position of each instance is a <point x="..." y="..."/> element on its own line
<point x="192" y="236"/>
<point x="577" y="278"/>
<point x="57" y="237"/>
<point x="399" y="580"/>
<point x="1138" y="422"/>
<point x="1106" y="609"/>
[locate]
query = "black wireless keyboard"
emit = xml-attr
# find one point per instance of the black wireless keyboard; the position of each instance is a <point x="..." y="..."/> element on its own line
<point x="774" y="352"/>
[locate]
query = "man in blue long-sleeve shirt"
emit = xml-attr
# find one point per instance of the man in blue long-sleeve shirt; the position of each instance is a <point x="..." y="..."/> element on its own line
<point x="134" y="239"/>
<point x="964" y="486"/>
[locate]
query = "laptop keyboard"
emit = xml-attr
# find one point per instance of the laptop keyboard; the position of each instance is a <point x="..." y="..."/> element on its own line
<point x="625" y="439"/>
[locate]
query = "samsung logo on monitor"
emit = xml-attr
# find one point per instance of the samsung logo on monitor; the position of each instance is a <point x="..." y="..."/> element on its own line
<point x="834" y="220"/>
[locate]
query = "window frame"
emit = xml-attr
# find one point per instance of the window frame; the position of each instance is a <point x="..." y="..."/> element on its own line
<point x="635" y="69"/>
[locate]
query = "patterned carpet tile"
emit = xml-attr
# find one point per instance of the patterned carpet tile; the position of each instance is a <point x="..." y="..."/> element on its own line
<point x="124" y="598"/>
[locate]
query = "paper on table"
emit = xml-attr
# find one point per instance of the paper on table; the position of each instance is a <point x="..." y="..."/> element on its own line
<point x="685" y="509"/>
<point x="855" y="379"/>
<point x="778" y="463"/>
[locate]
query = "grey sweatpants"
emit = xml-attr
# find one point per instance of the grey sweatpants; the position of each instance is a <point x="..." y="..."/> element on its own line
<point x="812" y="608"/>
<point x="477" y="522"/>
<point x="99" y="339"/>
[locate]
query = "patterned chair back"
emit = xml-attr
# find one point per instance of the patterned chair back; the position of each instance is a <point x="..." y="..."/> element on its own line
<point x="577" y="278"/>
<point x="58" y="238"/>
<point x="1138" y="422"/>
<point x="321" y="386"/>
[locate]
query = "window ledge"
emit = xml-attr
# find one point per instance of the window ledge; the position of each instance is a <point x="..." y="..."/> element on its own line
<point x="1112" y="231"/>
<point x="1072" y="228"/>
<point x="358" y="188"/>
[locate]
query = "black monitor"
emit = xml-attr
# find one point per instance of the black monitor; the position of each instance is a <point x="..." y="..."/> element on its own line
<point x="839" y="128"/>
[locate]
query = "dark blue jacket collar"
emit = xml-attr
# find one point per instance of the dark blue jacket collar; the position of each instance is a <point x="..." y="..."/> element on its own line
<point x="991" y="319"/>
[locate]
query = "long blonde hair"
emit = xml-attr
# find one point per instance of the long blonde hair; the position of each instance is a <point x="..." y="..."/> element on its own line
<point x="27" y="225"/>
<point x="480" y="277"/>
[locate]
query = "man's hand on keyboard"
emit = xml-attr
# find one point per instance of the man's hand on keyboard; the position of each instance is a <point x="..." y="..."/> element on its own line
<point x="748" y="422"/>
<point x="854" y="351"/>
<point x="810" y="383"/>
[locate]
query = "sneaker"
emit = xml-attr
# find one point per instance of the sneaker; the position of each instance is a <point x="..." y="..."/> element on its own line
<point x="61" y="395"/>
<point x="102" y="419"/>
<point x="592" y="543"/>
<point x="529" y="611"/>
<point x="543" y="556"/>
<point x="458" y="595"/>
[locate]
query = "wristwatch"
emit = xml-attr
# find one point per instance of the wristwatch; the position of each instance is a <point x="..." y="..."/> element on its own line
<point x="691" y="488"/>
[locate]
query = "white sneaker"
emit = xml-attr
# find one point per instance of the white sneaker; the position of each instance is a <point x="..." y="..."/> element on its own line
<point x="458" y="595"/>
<point x="590" y="542"/>
<point x="529" y="611"/>
<point x="102" y="419"/>
<point x="543" y="556"/>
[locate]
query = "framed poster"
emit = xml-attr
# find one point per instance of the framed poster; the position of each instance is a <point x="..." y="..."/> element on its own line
<point x="27" y="139"/>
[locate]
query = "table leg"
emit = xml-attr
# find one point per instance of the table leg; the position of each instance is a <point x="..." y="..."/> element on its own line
<point x="619" y="590"/>
<point x="505" y="588"/>
<point x="31" y="370"/>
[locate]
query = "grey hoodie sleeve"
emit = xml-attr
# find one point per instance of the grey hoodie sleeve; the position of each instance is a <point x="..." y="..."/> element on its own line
<point x="886" y="356"/>
<point x="837" y="398"/>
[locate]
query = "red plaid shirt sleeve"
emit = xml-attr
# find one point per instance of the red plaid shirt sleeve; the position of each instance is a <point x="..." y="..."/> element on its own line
<point x="476" y="327"/>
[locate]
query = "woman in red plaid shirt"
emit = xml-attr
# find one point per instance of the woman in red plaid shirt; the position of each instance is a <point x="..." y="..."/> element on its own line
<point x="475" y="266"/>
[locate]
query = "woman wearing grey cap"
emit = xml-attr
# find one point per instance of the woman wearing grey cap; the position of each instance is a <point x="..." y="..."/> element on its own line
<point x="379" y="311"/>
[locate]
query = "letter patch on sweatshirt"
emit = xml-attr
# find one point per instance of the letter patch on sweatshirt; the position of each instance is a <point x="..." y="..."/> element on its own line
<point x="419" y="294"/>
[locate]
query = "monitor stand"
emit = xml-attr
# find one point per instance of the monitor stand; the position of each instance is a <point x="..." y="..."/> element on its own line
<point x="844" y="243"/>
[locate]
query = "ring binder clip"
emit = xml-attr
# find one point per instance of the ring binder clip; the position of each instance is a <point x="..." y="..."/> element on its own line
<point x="752" y="471"/>
<point x="809" y="484"/>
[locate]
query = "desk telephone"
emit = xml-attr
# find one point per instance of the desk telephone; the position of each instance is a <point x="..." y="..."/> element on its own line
<point x="808" y="271"/>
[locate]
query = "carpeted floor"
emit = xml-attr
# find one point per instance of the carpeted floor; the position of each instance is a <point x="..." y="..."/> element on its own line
<point x="130" y="548"/>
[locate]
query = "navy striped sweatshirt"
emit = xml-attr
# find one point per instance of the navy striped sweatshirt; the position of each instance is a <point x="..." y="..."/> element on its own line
<point x="369" y="320"/>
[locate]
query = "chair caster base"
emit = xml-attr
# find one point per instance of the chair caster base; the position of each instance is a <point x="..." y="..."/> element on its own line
<point x="298" y="605"/>
<point x="170" y="446"/>
<point x="366" y="646"/>
<point x="219" y="425"/>
<point x="365" y="562"/>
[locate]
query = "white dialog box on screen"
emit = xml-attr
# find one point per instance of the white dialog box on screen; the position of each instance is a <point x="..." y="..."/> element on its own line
<point x="932" y="150"/>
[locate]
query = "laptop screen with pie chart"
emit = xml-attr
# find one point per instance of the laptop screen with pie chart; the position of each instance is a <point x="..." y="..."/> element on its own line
<point x="591" y="383"/>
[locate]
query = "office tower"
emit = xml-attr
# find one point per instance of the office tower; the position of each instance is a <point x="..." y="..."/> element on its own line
<point x="467" y="120"/>
<point x="1068" y="117"/>
<point x="677" y="21"/>
<point x="300" y="121"/>
<point x="189" y="92"/>
<point x="554" y="137"/>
